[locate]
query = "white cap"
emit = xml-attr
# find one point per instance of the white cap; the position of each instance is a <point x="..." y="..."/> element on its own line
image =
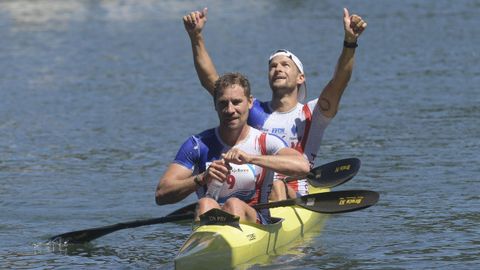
<point x="302" y="90"/>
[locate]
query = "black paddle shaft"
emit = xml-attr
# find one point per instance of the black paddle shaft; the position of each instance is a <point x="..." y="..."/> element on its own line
<point x="327" y="175"/>
<point x="82" y="236"/>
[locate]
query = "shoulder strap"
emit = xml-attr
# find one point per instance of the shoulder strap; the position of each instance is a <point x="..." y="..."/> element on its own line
<point x="308" y="123"/>
<point x="262" y="142"/>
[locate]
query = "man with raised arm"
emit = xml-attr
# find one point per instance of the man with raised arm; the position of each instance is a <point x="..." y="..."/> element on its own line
<point x="300" y="125"/>
<point x="242" y="159"/>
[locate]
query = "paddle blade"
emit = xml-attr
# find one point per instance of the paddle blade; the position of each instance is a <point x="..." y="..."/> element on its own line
<point x="334" y="173"/>
<point x="338" y="201"/>
<point x="83" y="236"/>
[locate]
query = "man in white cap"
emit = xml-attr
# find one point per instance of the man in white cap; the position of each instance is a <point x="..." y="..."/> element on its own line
<point x="300" y="125"/>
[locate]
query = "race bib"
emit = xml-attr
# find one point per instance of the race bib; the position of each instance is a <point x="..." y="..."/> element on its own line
<point x="240" y="183"/>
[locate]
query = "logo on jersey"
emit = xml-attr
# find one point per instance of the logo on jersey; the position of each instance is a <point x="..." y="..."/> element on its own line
<point x="240" y="182"/>
<point x="238" y="170"/>
<point x="294" y="130"/>
<point x="278" y="131"/>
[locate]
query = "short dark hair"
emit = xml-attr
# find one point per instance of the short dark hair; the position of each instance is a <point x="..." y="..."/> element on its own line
<point x="229" y="79"/>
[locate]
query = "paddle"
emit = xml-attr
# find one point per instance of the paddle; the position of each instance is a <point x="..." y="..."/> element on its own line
<point x="82" y="236"/>
<point x="332" y="174"/>
<point x="327" y="202"/>
<point x="330" y="202"/>
<point x="327" y="175"/>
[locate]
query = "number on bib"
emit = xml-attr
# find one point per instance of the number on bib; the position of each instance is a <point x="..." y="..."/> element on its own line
<point x="231" y="181"/>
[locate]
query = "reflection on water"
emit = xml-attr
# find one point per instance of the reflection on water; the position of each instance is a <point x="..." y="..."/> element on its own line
<point x="299" y="250"/>
<point x="135" y="249"/>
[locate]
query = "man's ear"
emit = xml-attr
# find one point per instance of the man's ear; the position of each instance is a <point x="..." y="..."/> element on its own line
<point x="300" y="79"/>
<point x="250" y="102"/>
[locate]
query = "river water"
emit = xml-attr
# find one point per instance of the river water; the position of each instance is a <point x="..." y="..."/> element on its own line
<point x="97" y="96"/>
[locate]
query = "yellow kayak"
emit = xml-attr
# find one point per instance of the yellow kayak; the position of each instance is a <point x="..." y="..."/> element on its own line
<point x="226" y="246"/>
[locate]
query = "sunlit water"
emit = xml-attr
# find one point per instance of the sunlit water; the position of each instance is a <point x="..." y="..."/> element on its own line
<point x="96" y="97"/>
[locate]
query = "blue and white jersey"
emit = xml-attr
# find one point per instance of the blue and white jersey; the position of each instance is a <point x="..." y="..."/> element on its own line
<point x="302" y="128"/>
<point x="247" y="182"/>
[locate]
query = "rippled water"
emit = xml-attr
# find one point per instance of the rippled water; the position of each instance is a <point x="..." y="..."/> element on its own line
<point x="96" y="97"/>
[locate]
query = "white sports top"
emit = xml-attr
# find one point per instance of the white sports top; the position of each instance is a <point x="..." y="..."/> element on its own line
<point x="302" y="128"/>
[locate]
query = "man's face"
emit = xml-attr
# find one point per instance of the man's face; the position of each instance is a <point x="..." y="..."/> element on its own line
<point x="284" y="74"/>
<point x="232" y="107"/>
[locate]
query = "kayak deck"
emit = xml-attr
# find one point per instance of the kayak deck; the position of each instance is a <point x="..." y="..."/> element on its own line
<point x="224" y="246"/>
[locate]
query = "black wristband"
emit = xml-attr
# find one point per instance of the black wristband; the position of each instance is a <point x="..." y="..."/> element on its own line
<point x="351" y="45"/>
<point x="197" y="180"/>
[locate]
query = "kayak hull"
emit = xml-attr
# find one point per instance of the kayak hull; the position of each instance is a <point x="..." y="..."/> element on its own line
<point x="224" y="246"/>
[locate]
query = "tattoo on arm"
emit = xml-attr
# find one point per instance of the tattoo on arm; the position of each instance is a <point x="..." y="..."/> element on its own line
<point x="324" y="104"/>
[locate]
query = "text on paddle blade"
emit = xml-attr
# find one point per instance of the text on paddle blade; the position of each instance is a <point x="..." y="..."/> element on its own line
<point x="350" y="200"/>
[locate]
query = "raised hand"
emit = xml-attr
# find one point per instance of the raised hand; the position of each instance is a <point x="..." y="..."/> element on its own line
<point x="354" y="25"/>
<point x="195" y="21"/>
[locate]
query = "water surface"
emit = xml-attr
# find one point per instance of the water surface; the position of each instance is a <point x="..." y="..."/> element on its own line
<point x="97" y="96"/>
